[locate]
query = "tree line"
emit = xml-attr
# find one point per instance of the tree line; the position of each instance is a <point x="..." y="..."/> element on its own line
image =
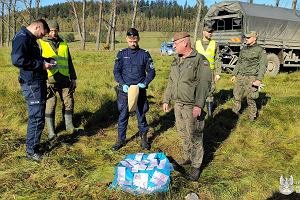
<point x="105" y="16"/>
<point x="100" y="16"/>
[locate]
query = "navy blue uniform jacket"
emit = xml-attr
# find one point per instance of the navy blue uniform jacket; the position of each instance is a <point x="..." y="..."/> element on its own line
<point x="133" y="66"/>
<point x="26" y="55"/>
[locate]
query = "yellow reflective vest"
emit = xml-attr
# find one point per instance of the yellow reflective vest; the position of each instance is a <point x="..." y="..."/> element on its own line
<point x="209" y="53"/>
<point x="61" y="57"/>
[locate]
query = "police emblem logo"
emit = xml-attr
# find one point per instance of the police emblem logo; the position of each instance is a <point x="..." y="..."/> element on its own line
<point x="286" y="185"/>
<point x="151" y="65"/>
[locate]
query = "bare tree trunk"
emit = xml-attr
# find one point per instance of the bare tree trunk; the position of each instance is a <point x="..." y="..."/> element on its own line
<point x="135" y="4"/>
<point x="294" y="5"/>
<point x="277" y="3"/>
<point x="83" y="25"/>
<point x="37" y="8"/>
<point x="14" y="14"/>
<point x="99" y="25"/>
<point x="30" y="11"/>
<point x="81" y="35"/>
<point x="200" y="4"/>
<point x="2" y="25"/>
<point x="8" y="23"/>
<point x="109" y="27"/>
<point x="113" y="26"/>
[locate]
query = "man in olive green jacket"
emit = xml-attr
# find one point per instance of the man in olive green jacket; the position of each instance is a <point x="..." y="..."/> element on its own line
<point x="188" y="86"/>
<point x="248" y="74"/>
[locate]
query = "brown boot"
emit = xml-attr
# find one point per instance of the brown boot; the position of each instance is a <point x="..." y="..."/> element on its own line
<point x="195" y="174"/>
<point x="185" y="162"/>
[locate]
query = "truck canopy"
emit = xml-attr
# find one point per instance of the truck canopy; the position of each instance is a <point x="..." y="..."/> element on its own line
<point x="273" y="24"/>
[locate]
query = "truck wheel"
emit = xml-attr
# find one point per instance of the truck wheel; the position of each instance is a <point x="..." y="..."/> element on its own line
<point x="273" y="64"/>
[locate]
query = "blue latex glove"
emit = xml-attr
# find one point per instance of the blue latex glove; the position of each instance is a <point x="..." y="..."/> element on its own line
<point x="141" y="85"/>
<point x="125" y="88"/>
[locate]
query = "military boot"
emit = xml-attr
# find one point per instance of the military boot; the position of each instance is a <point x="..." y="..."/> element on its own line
<point x="144" y="141"/>
<point x="209" y="109"/>
<point x="69" y="122"/>
<point x="195" y="174"/>
<point x="50" y="127"/>
<point x="118" y="145"/>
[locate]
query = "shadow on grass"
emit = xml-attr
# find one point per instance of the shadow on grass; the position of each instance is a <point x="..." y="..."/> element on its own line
<point x="158" y="126"/>
<point x="223" y="96"/>
<point x="279" y="196"/>
<point x="216" y="131"/>
<point x="103" y="118"/>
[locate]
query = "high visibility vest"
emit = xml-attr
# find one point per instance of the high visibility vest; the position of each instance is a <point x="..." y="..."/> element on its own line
<point x="209" y="53"/>
<point x="61" y="57"/>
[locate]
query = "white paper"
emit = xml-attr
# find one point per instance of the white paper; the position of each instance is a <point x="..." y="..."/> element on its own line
<point x="132" y="162"/>
<point x="162" y="164"/>
<point x="121" y="174"/>
<point x="151" y="156"/>
<point x="153" y="163"/>
<point x="125" y="163"/>
<point x="159" y="178"/>
<point x="140" y="180"/>
<point x="138" y="156"/>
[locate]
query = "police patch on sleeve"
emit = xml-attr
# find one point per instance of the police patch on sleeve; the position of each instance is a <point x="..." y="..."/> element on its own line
<point x="205" y="63"/>
<point x="151" y="65"/>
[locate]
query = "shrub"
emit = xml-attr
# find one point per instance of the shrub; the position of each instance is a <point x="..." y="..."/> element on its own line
<point x="68" y="37"/>
<point x="89" y="37"/>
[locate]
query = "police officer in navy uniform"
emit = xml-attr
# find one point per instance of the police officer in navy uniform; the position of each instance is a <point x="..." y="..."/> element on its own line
<point x="27" y="57"/>
<point x="133" y="66"/>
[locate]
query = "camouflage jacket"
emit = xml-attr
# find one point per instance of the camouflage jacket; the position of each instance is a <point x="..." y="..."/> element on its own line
<point x="252" y="62"/>
<point x="189" y="80"/>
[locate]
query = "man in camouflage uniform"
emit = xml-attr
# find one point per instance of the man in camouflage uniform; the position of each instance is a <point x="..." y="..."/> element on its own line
<point x="188" y="86"/>
<point x="61" y="79"/>
<point x="248" y="74"/>
<point x="209" y="48"/>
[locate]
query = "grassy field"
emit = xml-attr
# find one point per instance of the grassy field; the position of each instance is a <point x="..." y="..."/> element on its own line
<point x="243" y="160"/>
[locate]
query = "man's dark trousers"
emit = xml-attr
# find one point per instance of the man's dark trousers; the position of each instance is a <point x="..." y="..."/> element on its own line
<point x="142" y="108"/>
<point x="35" y="95"/>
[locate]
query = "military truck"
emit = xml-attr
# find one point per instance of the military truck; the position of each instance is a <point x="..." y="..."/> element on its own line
<point x="278" y="32"/>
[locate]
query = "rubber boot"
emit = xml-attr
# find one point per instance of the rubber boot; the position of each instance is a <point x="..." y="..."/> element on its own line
<point x="118" y="145"/>
<point x="50" y="127"/>
<point x="210" y="109"/>
<point x="144" y="141"/>
<point x="195" y="174"/>
<point x="69" y="122"/>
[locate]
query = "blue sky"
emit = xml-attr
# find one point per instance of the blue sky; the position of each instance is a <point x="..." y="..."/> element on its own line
<point x="283" y="3"/>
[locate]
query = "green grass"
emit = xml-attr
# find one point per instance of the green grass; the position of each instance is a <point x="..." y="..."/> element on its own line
<point x="243" y="159"/>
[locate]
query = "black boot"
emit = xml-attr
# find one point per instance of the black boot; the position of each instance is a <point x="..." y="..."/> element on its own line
<point x="118" y="145"/>
<point x="195" y="174"/>
<point x="210" y="109"/>
<point x="144" y="142"/>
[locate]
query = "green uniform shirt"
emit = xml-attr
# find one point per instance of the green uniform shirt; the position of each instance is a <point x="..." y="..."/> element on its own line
<point x="189" y="80"/>
<point x="251" y="62"/>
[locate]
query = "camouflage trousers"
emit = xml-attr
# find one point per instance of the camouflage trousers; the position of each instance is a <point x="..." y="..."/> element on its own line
<point x="66" y="96"/>
<point x="190" y="130"/>
<point x="243" y="88"/>
<point x="210" y="96"/>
